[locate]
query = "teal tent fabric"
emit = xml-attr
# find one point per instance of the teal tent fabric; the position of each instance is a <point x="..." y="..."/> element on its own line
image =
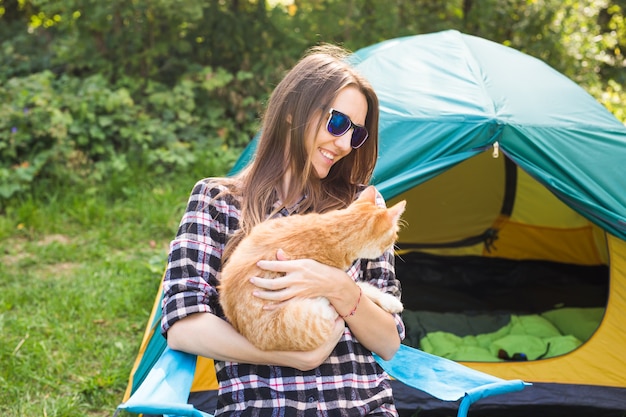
<point x="446" y="96"/>
<point x="155" y="347"/>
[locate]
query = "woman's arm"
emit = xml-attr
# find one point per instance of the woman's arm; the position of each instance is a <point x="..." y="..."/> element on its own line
<point x="372" y="326"/>
<point x="207" y="335"/>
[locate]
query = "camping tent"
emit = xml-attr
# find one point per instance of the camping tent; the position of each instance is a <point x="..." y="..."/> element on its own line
<point x="513" y="260"/>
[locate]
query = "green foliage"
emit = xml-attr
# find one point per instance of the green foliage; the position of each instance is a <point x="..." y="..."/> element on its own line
<point x="357" y="24"/>
<point x="82" y="129"/>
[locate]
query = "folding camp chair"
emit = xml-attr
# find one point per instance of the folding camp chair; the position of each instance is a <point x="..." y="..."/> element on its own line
<point x="166" y="388"/>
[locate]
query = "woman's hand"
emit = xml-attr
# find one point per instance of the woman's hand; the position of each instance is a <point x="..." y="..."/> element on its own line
<point x="304" y="278"/>
<point x="305" y="361"/>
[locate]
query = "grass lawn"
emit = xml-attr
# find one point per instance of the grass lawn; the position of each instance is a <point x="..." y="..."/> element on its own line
<point x="78" y="275"/>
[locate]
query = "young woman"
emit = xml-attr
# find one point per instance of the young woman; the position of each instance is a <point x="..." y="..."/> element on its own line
<point x="317" y="150"/>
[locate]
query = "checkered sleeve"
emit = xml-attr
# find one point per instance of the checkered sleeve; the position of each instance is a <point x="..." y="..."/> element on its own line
<point x="194" y="262"/>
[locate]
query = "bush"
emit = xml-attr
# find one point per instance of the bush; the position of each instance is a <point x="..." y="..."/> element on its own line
<point x="79" y="129"/>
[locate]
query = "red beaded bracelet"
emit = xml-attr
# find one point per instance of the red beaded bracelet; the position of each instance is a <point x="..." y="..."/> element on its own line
<point x="355" y="306"/>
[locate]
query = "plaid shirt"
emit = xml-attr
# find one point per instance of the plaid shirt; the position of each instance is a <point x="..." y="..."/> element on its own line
<point x="348" y="383"/>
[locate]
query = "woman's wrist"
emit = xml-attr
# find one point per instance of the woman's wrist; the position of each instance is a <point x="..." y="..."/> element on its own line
<point x="350" y="303"/>
<point x="356" y="305"/>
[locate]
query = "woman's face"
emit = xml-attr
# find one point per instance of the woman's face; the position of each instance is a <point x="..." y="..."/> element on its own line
<point x="328" y="149"/>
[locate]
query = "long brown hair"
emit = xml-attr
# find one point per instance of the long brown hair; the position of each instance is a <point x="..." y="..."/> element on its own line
<point x="298" y="104"/>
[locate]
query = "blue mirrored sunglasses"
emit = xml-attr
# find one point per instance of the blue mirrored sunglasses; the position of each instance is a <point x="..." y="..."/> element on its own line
<point x="338" y="124"/>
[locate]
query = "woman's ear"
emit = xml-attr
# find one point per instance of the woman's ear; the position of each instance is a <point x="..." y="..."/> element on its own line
<point x="288" y="118"/>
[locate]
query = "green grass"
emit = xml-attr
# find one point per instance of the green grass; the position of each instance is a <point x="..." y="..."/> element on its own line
<point x="79" y="271"/>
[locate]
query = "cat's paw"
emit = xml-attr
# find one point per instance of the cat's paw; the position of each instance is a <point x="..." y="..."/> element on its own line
<point x="386" y="301"/>
<point x="390" y="304"/>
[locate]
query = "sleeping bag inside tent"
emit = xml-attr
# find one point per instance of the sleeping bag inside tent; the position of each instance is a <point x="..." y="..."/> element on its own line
<point x="513" y="257"/>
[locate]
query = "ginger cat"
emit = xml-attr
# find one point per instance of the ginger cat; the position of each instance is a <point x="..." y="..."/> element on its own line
<point x="336" y="238"/>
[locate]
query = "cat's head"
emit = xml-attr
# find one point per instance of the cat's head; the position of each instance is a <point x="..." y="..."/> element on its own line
<point x="378" y="226"/>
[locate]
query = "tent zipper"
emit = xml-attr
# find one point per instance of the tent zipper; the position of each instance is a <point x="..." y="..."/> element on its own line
<point x="488" y="237"/>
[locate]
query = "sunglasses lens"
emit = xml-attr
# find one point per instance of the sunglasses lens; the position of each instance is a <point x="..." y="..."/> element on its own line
<point x="338" y="124"/>
<point x="359" y="135"/>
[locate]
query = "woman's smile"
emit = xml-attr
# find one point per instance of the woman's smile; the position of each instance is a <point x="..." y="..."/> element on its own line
<point x="328" y="155"/>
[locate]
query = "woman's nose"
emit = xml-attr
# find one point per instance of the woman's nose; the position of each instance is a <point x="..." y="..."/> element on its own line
<point x="343" y="142"/>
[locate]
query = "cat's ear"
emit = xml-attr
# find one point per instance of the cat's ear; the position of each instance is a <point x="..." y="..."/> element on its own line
<point x="396" y="210"/>
<point x="368" y="195"/>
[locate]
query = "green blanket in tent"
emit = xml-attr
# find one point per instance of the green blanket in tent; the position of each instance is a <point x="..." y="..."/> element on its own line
<point x="498" y="337"/>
